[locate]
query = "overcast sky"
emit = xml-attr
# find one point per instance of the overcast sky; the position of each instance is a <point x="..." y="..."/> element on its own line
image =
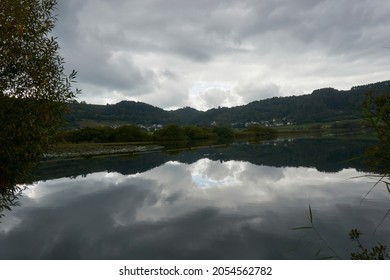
<point x="209" y="53"/>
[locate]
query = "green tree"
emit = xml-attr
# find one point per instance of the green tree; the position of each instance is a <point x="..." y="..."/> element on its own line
<point x="131" y="133"/>
<point x="170" y="132"/>
<point x="378" y="114"/>
<point x="194" y="132"/>
<point x="33" y="86"/>
<point x="224" y="134"/>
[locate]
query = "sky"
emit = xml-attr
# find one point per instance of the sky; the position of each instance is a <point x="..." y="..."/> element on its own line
<point x="212" y="210"/>
<point x="210" y="53"/>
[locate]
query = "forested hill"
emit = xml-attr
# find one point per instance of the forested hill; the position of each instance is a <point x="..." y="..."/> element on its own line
<point x="321" y="105"/>
<point x="122" y="112"/>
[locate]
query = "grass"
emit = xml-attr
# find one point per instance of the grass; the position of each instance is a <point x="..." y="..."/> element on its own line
<point x="67" y="150"/>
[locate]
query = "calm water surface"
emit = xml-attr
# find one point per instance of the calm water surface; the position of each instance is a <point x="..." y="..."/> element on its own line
<point x="235" y="202"/>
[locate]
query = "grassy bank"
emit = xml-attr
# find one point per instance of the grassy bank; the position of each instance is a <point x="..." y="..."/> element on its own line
<point x="87" y="150"/>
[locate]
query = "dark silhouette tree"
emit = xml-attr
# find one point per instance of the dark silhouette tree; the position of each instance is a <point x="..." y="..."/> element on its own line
<point x="378" y="115"/>
<point x="33" y="87"/>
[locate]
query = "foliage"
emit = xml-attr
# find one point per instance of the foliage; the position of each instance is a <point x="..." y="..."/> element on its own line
<point x="124" y="111"/>
<point x="170" y="132"/>
<point x="323" y="105"/>
<point x="277" y="154"/>
<point x="9" y="197"/>
<point x="105" y="134"/>
<point x="176" y="132"/>
<point x="351" y="125"/>
<point x="87" y="134"/>
<point x="187" y="115"/>
<point x="378" y="114"/>
<point x="259" y="131"/>
<point x="33" y="86"/>
<point x="130" y="133"/>
<point x="195" y="132"/>
<point x="133" y="133"/>
<point x="377" y="252"/>
<point x="223" y="133"/>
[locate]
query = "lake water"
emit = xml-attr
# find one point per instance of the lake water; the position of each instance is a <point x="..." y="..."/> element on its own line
<point x="241" y="201"/>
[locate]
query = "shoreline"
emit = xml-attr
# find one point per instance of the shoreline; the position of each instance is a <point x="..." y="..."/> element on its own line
<point x="89" y="150"/>
<point x="66" y="151"/>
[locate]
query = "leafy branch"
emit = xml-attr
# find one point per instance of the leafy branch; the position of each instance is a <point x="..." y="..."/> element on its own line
<point x="377" y="252"/>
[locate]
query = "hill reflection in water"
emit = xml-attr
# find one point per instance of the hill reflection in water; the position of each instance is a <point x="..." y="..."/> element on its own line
<point x="324" y="154"/>
<point x="193" y="207"/>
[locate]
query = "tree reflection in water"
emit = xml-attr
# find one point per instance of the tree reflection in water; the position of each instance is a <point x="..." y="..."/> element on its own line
<point x="9" y="197"/>
<point x="215" y="203"/>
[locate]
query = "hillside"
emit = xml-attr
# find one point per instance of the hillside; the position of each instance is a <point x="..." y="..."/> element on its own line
<point x="322" y="105"/>
<point x="120" y="113"/>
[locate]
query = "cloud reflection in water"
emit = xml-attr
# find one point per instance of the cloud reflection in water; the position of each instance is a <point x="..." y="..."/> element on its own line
<point x="204" y="210"/>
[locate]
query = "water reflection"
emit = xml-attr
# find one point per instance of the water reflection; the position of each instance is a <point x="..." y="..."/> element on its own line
<point x="9" y="197"/>
<point x="325" y="154"/>
<point x="207" y="209"/>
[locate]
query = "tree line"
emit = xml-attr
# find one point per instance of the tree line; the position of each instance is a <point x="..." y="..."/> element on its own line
<point x="134" y="133"/>
<point x="322" y="105"/>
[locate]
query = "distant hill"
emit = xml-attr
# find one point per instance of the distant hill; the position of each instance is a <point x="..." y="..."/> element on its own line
<point x="327" y="104"/>
<point x="187" y="115"/>
<point x="120" y="113"/>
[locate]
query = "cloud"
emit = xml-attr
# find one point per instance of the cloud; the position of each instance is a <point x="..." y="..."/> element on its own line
<point x="253" y="91"/>
<point x="237" y="209"/>
<point x="213" y="98"/>
<point x="128" y="49"/>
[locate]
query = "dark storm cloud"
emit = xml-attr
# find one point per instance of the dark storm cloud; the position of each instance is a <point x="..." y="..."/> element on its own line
<point x="123" y="46"/>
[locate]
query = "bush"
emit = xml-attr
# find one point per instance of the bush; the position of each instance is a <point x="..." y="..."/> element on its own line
<point x="259" y="131"/>
<point x="194" y="133"/>
<point x="223" y="133"/>
<point x="105" y="134"/>
<point x="170" y="132"/>
<point x="130" y="133"/>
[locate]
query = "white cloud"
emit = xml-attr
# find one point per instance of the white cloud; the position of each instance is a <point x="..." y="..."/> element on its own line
<point x="156" y="51"/>
<point x="206" y="95"/>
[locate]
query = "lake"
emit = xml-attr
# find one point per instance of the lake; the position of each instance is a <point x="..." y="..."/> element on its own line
<point x="240" y="201"/>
